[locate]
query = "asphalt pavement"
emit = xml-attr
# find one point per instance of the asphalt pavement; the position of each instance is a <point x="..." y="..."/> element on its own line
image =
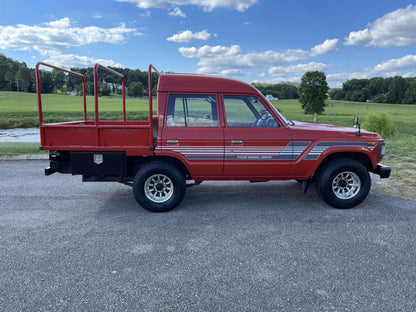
<point x="230" y="246"/>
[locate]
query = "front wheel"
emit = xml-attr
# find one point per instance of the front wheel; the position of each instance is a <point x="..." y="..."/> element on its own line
<point x="343" y="183"/>
<point x="159" y="186"/>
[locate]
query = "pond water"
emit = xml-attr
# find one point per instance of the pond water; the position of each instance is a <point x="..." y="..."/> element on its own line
<point x="20" y="135"/>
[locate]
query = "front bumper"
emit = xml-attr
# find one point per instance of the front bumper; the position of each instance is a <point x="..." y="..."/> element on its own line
<point x="383" y="171"/>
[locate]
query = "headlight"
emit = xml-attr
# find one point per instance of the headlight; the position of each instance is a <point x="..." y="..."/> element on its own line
<point x="381" y="149"/>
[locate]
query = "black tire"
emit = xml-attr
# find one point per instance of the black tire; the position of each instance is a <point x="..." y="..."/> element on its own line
<point x="159" y="186"/>
<point x="343" y="183"/>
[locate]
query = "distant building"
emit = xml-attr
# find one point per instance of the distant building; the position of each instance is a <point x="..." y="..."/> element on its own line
<point x="270" y="97"/>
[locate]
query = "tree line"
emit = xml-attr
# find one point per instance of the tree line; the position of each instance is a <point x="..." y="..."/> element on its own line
<point x="394" y="90"/>
<point x="283" y="90"/>
<point x="16" y="76"/>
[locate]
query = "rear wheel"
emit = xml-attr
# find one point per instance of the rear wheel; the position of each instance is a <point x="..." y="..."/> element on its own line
<point x="159" y="186"/>
<point x="343" y="183"/>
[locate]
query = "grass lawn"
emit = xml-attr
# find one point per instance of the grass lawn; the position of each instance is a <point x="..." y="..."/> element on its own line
<point x="20" y="148"/>
<point x="20" y="110"/>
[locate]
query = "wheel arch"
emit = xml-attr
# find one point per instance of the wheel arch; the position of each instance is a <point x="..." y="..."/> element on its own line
<point x="177" y="163"/>
<point x="357" y="156"/>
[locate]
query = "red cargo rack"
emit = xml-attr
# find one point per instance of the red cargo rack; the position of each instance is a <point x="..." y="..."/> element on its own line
<point x="134" y="137"/>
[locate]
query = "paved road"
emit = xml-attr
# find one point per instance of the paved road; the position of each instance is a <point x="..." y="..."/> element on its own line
<point x="72" y="246"/>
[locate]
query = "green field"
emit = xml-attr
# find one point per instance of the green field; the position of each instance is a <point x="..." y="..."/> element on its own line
<point x="20" y="110"/>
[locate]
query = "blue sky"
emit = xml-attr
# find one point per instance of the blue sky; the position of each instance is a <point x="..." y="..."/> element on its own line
<point x="250" y="40"/>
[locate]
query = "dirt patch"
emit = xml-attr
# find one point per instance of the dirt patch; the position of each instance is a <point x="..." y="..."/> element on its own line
<point x="396" y="188"/>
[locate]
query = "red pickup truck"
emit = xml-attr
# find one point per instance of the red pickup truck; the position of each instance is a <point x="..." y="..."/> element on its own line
<point x="210" y="128"/>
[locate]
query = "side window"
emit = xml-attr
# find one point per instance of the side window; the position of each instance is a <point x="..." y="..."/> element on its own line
<point x="192" y="111"/>
<point x="247" y="111"/>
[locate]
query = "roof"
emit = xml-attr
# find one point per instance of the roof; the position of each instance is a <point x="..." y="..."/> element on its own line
<point x="202" y="83"/>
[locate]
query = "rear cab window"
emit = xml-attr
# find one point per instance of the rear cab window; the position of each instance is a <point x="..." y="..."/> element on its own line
<point x="192" y="110"/>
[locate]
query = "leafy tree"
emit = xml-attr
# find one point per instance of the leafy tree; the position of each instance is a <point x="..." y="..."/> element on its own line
<point x="24" y="78"/>
<point x="46" y="82"/>
<point x="133" y="76"/>
<point x="288" y="91"/>
<point x="58" y="78"/>
<point x="313" y="92"/>
<point x="377" y="85"/>
<point x="105" y="90"/>
<point x="397" y="90"/>
<point x="284" y="90"/>
<point x="110" y="78"/>
<point x="354" y="84"/>
<point x="336" y="94"/>
<point x="359" y="95"/>
<point x="410" y="95"/>
<point x="380" y="98"/>
<point x="135" y="89"/>
<point x="9" y="78"/>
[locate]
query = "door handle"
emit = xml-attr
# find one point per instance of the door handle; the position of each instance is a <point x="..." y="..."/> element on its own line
<point x="172" y="141"/>
<point x="236" y="142"/>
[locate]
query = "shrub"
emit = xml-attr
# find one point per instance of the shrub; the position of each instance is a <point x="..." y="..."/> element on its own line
<point x="380" y="123"/>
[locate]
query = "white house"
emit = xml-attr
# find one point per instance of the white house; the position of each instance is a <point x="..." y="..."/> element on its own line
<point x="270" y="97"/>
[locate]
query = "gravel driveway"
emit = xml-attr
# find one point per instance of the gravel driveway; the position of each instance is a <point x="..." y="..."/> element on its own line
<point x="230" y="246"/>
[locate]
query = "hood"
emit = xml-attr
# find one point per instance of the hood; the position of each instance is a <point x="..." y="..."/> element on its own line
<point x="332" y="130"/>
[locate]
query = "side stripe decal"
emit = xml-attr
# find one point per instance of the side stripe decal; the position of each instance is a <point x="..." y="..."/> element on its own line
<point x="289" y="152"/>
<point x="292" y="151"/>
<point x="322" y="146"/>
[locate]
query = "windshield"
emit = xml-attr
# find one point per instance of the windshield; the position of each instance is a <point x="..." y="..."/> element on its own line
<point x="286" y="121"/>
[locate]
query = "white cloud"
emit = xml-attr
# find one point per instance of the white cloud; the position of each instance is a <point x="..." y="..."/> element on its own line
<point x="145" y="14"/>
<point x="207" y="5"/>
<point x="297" y="69"/>
<point x="58" y="35"/>
<point x="176" y="12"/>
<point x="71" y="60"/>
<point x="210" y="52"/>
<point x="294" y="79"/>
<point x="219" y="58"/>
<point x="97" y="15"/>
<point x="62" y="23"/>
<point x="396" y="28"/>
<point x="226" y="72"/>
<point x="328" y="46"/>
<point x="189" y="36"/>
<point x="232" y="72"/>
<point x="349" y="76"/>
<point x="405" y="63"/>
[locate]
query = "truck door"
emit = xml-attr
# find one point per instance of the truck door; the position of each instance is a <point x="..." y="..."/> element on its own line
<point x="256" y="145"/>
<point x="192" y="133"/>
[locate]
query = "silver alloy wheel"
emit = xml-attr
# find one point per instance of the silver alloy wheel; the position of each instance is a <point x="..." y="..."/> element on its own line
<point x="158" y="188"/>
<point x="346" y="185"/>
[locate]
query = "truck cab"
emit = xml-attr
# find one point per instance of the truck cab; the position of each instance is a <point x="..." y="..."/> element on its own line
<point x="212" y="128"/>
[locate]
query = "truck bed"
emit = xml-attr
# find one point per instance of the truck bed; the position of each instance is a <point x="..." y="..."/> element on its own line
<point x="130" y="136"/>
